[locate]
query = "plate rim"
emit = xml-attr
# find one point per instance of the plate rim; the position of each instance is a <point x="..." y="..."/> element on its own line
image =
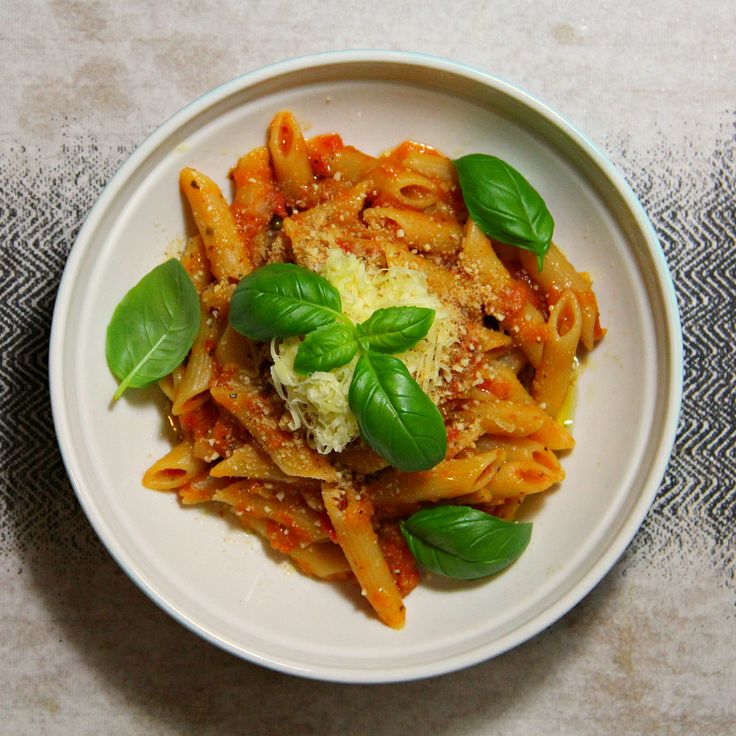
<point x="673" y="343"/>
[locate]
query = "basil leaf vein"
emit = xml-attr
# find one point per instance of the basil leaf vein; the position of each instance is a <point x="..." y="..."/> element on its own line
<point x="325" y="348"/>
<point x="153" y="327"/>
<point x="464" y="543"/>
<point x="281" y="300"/>
<point x="395" y="417"/>
<point x="395" y="329"/>
<point x="503" y="204"/>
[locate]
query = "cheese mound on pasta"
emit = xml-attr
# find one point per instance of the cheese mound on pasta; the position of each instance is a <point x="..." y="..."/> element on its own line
<point x="319" y="402"/>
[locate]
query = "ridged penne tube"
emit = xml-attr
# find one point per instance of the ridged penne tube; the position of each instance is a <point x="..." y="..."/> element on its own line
<point x="290" y="160"/>
<point x="350" y="513"/>
<point x="430" y="163"/>
<point x="463" y="429"/>
<point x="352" y="165"/>
<point x="200" y="489"/>
<point x="256" y="196"/>
<point x="249" y="461"/>
<point x="197" y="265"/>
<point x="428" y="233"/>
<point x="169" y="383"/>
<point x="235" y="351"/>
<point x="449" y="479"/>
<point x="553" y="376"/>
<point x="557" y="276"/>
<point x="485" y="339"/>
<point x="225" y="250"/>
<point x="507" y="418"/>
<point x="530" y="467"/>
<point x="314" y="232"/>
<point x="281" y="506"/>
<point x="398" y="185"/>
<point x="330" y="157"/>
<point x="256" y="200"/>
<point x="259" y="412"/>
<point x="174" y="469"/>
<point x="516" y="314"/>
<point x="193" y="389"/>
<point x="503" y="384"/>
<point x="359" y="457"/>
<point x="322" y="560"/>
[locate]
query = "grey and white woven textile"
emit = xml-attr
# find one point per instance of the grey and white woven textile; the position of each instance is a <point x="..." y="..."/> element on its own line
<point x="651" y="650"/>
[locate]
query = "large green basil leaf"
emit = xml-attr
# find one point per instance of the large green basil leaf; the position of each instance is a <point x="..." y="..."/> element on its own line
<point x="396" y="418"/>
<point x="462" y="542"/>
<point x="395" y="329"/>
<point x="153" y="328"/>
<point x="282" y="299"/>
<point x="326" y="348"/>
<point x="503" y="204"/>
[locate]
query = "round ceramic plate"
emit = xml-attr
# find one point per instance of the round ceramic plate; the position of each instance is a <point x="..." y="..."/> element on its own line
<point x="223" y="583"/>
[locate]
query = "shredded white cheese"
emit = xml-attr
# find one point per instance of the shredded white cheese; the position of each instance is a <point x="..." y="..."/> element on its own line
<point x="319" y="402"/>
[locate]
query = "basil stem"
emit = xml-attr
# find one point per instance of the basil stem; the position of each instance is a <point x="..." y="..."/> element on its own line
<point x="153" y="327"/>
<point x="462" y="542"/>
<point x="503" y="204"/>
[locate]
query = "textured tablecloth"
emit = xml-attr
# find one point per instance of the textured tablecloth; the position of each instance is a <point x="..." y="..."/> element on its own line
<point x="650" y="650"/>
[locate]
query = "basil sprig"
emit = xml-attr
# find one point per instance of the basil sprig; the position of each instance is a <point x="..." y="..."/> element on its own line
<point x="503" y="204"/>
<point x="395" y="417"/>
<point x="153" y="327"/>
<point x="464" y="543"/>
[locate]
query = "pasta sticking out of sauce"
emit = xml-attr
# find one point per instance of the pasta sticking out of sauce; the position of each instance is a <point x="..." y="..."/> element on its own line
<point x="282" y="450"/>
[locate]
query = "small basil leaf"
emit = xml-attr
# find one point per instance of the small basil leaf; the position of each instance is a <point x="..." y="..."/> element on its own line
<point x="396" y="418"/>
<point x="462" y="542"/>
<point x="153" y="327"/>
<point x="282" y="299"/>
<point x="395" y="329"/>
<point x="326" y="348"/>
<point x="503" y="204"/>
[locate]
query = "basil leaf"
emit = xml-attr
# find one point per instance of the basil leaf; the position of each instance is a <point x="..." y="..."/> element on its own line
<point x="395" y="329"/>
<point x="396" y="418"/>
<point x="281" y="299"/>
<point x="503" y="204"/>
<point x="326" y="348"/>
<point x="153" y="328"/>
<point x="462" y="542"/>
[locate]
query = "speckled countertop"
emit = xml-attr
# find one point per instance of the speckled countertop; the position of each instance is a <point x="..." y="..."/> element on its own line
<point x="650" y="650"/>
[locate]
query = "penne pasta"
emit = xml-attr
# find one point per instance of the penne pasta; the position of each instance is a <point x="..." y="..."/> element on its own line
<point x="226" y="254"/>
<point x="553" y="376"/>
<point x="259" y="413"/>
<point x="489" y="340"/>
<point x="449" y="479"/>
<point x="290" y="160"/>
<point x="428" y="233"/>
<point x="175" y="469"/>
<point x="350" y="512"/>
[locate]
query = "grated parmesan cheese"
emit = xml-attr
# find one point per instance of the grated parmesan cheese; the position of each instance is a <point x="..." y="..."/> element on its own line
<point x="319" y="402"/>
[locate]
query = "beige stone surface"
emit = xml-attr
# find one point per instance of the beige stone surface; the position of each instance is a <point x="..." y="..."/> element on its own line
<point x="651" y="649"/>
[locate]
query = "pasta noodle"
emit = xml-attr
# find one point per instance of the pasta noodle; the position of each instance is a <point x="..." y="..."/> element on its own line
<point x="386" y="230"/>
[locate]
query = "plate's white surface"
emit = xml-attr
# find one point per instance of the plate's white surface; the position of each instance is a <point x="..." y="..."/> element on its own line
<point x="223" y="583"/>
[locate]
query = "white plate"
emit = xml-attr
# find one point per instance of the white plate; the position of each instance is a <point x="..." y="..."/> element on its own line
<point x="221" y="582"/>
